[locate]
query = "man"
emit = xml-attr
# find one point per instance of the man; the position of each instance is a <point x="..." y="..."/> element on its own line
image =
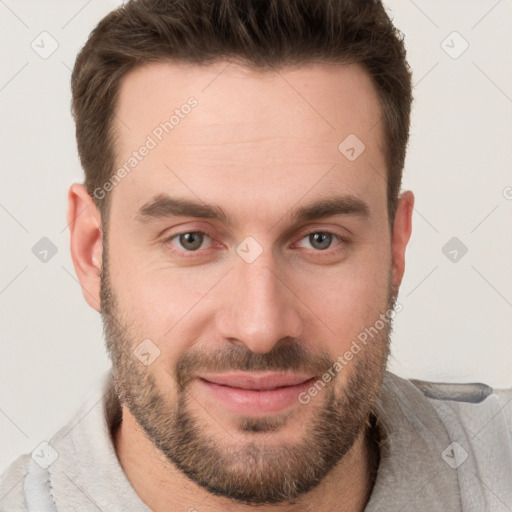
<point x="242" y="232"/>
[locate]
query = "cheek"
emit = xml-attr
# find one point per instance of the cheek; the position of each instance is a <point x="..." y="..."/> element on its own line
<point x="354" y="296"/>
<point x="165" y="304"/>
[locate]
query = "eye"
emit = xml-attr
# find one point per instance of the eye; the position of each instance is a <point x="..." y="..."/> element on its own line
<point x="190" y="241"/>
<point x="321" y="240"/>
<point x="195" y="241"/>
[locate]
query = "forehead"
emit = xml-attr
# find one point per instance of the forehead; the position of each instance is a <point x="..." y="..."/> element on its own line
<point x="227" y="132"/>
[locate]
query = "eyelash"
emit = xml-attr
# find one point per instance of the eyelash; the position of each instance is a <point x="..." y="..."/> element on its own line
<point x="341" y="240"/>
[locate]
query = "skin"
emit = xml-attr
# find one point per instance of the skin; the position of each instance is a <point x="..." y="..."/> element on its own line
<point x="237" y="150"/>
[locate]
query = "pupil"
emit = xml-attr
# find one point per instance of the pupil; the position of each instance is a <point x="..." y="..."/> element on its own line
<point x="187" y="240"/>
<point x="321" y="238"/>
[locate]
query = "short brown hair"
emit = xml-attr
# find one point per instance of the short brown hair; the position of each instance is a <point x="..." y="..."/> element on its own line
<point x="260" y="33"/>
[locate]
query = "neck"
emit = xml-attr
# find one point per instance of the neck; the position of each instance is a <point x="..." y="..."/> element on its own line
<point x="163" y="487"/>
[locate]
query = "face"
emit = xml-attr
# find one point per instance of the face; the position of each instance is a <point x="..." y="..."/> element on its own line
<point x="246" y="254"/>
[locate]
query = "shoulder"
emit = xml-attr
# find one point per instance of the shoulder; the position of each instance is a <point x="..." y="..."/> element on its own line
<point x="473" y="405"/>
<point x="11" y="485"/>
<point x="465" y="395"/>
<point x="466" y="405"/>
<point x="470" y="397"/>
<point x="24" y="482"/>
<point x="459" y="431"/>
<point x="474" y="392"/>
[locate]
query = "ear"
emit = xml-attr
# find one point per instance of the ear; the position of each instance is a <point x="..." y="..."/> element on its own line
<point x="84" y="220"/>
<point x="402" y="229"/>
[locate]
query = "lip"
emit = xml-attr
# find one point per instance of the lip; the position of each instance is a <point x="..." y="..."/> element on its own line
<point x="255" y="393"/>
<point x="260" y="381"/>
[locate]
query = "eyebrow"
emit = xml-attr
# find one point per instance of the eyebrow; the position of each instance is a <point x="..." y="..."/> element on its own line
<point x="164" y="206"/>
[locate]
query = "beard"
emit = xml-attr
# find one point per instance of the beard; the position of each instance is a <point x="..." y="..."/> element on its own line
<point x="255" y="471"/>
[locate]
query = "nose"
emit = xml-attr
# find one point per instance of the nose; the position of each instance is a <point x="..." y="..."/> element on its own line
<point x="258" y="307"/>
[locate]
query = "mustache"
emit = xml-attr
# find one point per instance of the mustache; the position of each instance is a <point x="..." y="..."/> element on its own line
<point x="289" y="356"/>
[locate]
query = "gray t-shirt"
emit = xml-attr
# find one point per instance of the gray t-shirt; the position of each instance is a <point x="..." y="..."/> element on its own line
<point x="443" y="447"/>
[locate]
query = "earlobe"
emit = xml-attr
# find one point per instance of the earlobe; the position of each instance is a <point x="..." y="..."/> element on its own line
<point x="86" y="238"/>
<point x="402" y="229"/>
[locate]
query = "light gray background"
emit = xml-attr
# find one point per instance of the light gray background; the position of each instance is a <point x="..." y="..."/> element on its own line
<point x="456" y="320"/>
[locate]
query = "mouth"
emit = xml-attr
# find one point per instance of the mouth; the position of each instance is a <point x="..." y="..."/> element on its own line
<point x="255" y="393"/>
